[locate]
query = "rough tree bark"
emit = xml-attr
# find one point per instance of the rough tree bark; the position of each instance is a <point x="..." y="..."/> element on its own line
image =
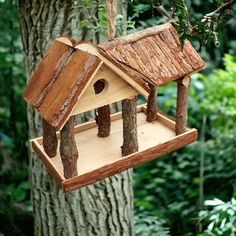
<point x="152" y="104"/>
<point x="182" y="105"/>
<point x="103" y="121"/>
<point x="104" y="208"/>
<point x="49" y="139"/>
<point x="130" y="136"/>
<point x="103" y="118"/>
<point x="68" y="149"/>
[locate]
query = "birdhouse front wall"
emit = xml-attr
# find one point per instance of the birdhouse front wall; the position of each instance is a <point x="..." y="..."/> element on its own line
<point x="112" y="89"/>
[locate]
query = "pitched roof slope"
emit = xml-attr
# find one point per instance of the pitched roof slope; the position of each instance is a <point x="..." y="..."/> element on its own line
<point x="155" y="53"/>
<point x="58" y="81"/>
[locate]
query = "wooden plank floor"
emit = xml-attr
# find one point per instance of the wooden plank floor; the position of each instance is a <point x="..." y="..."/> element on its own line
<point x="95" y="152"/>
<point x="101" y="157"/>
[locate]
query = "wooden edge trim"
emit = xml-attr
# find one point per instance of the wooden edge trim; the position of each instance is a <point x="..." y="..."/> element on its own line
<point x="163" y="118"/>
<point x="187" y="75"/>
<point x="130" y="161"/>
<point x="166" y="120"/>
<point x="45" y="160"/>
<point x="88" y="47"/>
<point x="67" y="40"/>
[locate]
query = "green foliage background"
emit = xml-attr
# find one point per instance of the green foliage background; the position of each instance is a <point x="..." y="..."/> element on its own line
<point x="167" y="193"/>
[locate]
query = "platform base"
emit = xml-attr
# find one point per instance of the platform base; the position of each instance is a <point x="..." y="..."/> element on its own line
<point x="101" y="157"/>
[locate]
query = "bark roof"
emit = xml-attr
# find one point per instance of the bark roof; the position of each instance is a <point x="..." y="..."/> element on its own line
<point x="156" y="53"/>
<point x="153" y="55"/>
<point x="62" y="76"/>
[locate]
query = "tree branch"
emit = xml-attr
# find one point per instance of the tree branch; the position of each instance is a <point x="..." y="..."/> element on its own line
<point x="222" y="8"/>
<point x="163" y="12"/>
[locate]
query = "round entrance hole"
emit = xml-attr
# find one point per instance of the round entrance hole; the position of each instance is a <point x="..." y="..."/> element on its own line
<point x="99" y="86"/>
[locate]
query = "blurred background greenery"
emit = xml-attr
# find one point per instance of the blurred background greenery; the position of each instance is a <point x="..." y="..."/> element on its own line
<point x="171" y="192"/>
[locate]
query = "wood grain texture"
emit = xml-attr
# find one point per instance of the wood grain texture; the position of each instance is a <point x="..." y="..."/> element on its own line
<point x="130" y="161"/>
<point x="49" y="139"/>
<point x="131" y="38"/>
<point x="130" y="136"/>
<point x="116" y="89"/>
<point x="130" y="75"/>
<point x="103" y="120"/>
<point x="63" y="95"/>
<point x="47" y="73"/>
<point x="152" y="104"/>
<point x="67" y="40"/>
<point x="103" y="117"/>
<point x="37" y="148"/>
<point x="100" y="158"/>
<point x="182" y="106"/>
<point x="154" y="55"/>
<point x="68" y="149"/>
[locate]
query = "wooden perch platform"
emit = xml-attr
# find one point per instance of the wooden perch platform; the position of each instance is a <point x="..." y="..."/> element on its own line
<point x="101" y="157"/>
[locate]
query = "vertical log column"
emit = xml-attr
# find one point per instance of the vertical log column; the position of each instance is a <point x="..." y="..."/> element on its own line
<point x="49" y="139"/>
<point x="182" y="105"/>
<point x="68" y="150"/>
<point x="103" y="118"/>
<point x="152" y="104"/>
<point x="130" y="136"/>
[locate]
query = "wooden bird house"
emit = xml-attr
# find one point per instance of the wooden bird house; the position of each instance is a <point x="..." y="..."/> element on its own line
<point x="75" y="77"/>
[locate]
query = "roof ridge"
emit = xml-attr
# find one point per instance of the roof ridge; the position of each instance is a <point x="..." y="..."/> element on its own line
<point x="138" y="35"/>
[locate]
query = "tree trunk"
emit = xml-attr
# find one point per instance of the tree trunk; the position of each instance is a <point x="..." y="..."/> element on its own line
<point x="104" y="208"/>
<point x="130" y="136"/>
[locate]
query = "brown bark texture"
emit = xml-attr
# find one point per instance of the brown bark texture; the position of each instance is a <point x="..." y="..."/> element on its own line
<point x="103" y="208"/>
<point x="49" y="139"/>
<point x="103" y="121"/>
<point x="103" y="118"/>
<point x="68" y="149"/>
<point x="181" y="107"/>
<point x="130" y="136"/>
<point x="152" y="104"/>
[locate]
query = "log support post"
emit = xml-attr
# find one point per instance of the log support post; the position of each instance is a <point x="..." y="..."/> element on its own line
<point x="152" y="104"/>
<point x="130" y="136"/>
<point x="103" y="118"/>
<point x="182" y="105"/>
<point x="68" y="149"/>
<point x="49" y="139"/>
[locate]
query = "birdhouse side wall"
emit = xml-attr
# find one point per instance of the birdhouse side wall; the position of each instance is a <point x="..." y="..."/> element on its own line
<point x="114" y="89"/>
